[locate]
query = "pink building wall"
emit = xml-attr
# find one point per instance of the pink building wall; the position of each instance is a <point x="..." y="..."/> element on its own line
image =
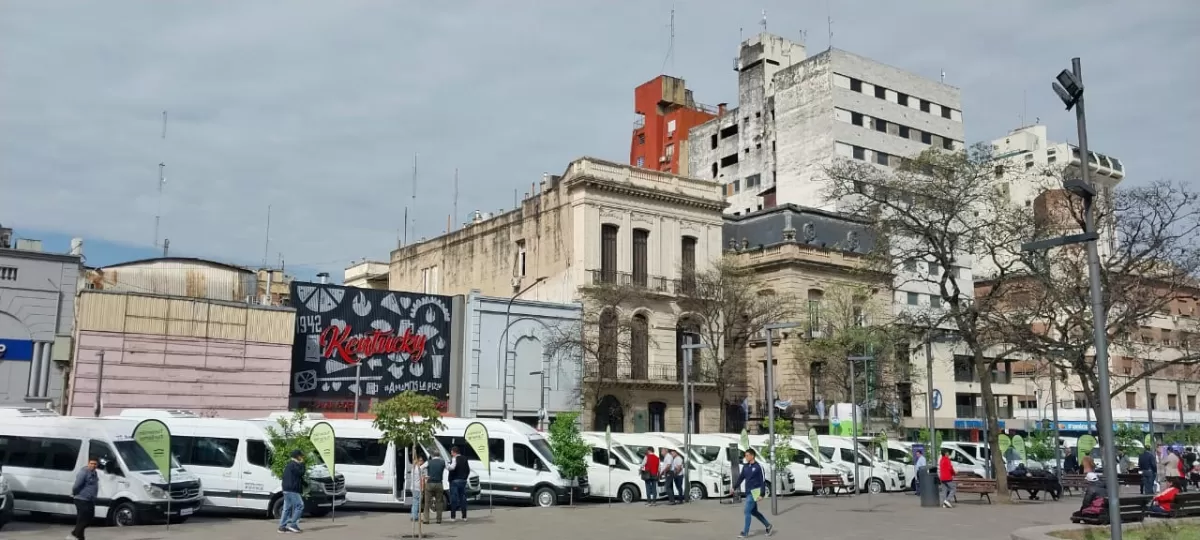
<point x="225" y="378"/>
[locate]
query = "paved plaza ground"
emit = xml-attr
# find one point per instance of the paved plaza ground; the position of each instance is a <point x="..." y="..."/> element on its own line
<point x="897" y="516"/>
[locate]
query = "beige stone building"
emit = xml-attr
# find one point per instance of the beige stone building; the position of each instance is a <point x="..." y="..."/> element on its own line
<point x="598" y="225"/>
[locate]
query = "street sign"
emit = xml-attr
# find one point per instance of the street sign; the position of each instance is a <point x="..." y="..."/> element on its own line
<point x="937" y="400"/>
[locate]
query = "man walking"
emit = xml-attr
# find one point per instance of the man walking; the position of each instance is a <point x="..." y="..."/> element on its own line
<point x="919" y="466"/>
<point x="293" y="486"/>
<point x="84" y="491"/>
<point x="1148" y="468"/>
<point x="435" y="490"/>
<point x="649" y="475"/>
<point x="459" y="470"/>
<point x="946" y="475"/>
<point x="752" y="474"/>
<point x="675" y="475"/>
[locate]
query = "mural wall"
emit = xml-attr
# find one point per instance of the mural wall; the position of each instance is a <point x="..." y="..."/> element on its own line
<point x="402" y="341"/>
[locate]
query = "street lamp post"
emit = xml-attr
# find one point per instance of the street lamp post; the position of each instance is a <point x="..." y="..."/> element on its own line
<point x="688" y="410"/>
<point x="866" y="360"/>
<point x="542" y="414"/>
<point x="503" y="345"/>
<point x="1069" y="87"/>
<point x="770" y="368"/>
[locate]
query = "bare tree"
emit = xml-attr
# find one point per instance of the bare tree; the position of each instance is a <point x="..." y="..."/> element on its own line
<point x="730" y="307"/>
<point x="933" y="214"/>
<point x="607" y="344"/>
<point x="1148" y="264"/>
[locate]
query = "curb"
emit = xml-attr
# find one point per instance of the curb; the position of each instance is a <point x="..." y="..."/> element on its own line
<point x="1043" y="532"/>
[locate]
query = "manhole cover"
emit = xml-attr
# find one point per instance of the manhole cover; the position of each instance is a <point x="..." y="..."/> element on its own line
<point x="676" y="521"/>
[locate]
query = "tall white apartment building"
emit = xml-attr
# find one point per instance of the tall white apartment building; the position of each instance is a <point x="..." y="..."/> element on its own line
<point x="796" y="112"/>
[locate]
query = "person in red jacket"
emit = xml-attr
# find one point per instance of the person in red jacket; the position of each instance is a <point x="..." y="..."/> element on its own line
<point x="1163" y="501"/>
<point x="946" y="475"/>
<point x="649" y="475"/>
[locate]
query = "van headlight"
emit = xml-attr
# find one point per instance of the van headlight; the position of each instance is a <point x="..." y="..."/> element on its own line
<point x="155" y="492"/>
<point x="711" y="473"/>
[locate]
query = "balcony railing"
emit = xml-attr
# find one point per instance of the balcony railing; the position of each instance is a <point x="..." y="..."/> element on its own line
<point x="658" y="284"/>
<point x="968" y="411"/>
<point x="624" y="370"/>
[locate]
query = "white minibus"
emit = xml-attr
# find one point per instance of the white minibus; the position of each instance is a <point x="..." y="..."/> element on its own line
<point x="232" y="458"/>
<point x="615" y="474"/>
<point x="41" y="452"/>
<point x="6" y="500"/>
<point x="522" y="464"/>
<point x="705" y="479"/>
<point x="713" y="447"/>
<point x="875" y="475"/>
<point x="808" y="461"/>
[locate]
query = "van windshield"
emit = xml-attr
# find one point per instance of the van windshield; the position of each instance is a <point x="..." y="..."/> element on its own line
<point x="624" y="454"/>
<point x="542" y="448"/>
<point x="136" y="459"/>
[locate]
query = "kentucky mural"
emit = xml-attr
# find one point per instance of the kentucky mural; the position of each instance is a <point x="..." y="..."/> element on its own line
<point x="401" y="339"/>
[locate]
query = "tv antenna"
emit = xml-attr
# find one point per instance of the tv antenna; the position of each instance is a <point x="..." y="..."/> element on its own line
<point x="161" y="181"/>
<point x="670" y="58"/>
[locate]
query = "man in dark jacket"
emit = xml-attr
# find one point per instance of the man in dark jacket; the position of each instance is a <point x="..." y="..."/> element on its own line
<point x="84" y="491"/>
<point x="293" y="487"/>
<point x="435" y="490"/>
<point x="1093" y="496"/>
<point x="752" y="475"/>
<point x="459" y="471"/>
<point x="1148" y="466"/>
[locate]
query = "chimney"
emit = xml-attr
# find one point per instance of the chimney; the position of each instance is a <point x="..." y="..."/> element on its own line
<point x="721" y="109"/>
<point x="323" y="278"/>
<point x="77" y="247"/>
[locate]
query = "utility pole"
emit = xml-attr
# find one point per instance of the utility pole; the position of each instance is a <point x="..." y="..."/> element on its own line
<point x="99" y="386"/>
<point x="688" y="410"/>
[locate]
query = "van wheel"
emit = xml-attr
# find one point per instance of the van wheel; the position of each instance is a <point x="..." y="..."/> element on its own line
<point x="544" y="497"/>
<point x="276" y="509"/>
<point x="628" y="494"/>
<point x="697" y="492"/>
<point x="124" y="514"/>
<point x="875" y="486"/>
<point x="766" y="489"/>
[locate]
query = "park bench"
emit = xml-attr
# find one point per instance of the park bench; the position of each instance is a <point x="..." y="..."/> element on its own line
<point x="828" y="483"/>
<point x="1133" y="509"/>
<point x="973" y="484"/>
<point x="1185" y="505"/>
<point x="1072" y="482"/>
<point x="1043" y="484"/>
<point x="1130" y="479"/>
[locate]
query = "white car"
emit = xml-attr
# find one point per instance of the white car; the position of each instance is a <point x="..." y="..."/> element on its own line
<point x="6" y="500"/>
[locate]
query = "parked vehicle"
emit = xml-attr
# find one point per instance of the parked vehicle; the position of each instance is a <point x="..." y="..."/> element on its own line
<point x="6" y="500"/>
<point x="874" y="475"/>
<point x="712" y="447"/>
<point x="615" y="474"/>
<point x="962" y="460"/>
<point x="233" y="460"/>
<point x="809" y="461"/>
<point x="706" y="479"/>
<point x="41" y="452"/>
<point x="375" y="471"/>
<point x="899" y="456"/>
<point x="522" y="465"/>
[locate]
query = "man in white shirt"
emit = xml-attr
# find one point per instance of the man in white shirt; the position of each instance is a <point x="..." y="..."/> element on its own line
<point x="675" y="476"/>
<point x="917" y="468"/>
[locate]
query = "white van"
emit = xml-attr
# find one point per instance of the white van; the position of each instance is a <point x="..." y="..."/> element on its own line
<point x="808" y="461"/>
<point x="712" y="446"/>
<point x="616" y="474"/>
<point x="375" y="471"/>
<point x="963" y="459"/>
<point x="233" y="460"/>
<point x="41" y="452"/>
<point x="899" y="456"/>
<point x="874" y="475"/>
<point x="705" y="479"/>
<point x="522" y="462"/>
<point x="6" y="500"/>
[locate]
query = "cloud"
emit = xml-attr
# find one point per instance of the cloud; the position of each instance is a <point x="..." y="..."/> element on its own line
<point x="317" y="108"/>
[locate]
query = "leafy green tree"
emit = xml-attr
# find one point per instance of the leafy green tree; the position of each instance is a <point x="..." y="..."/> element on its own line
<point x="784" y="453"/>
<point x="408" y="419"/>
<point x="288" y="435"/>
<point x="570" y="451"/>
<point x="1039" y="446"/>
<point x="931" y="453"/>
<point x="1128" y="438"/>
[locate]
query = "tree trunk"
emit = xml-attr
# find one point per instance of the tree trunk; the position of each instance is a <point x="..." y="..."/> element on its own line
<point x="991" y="417"/>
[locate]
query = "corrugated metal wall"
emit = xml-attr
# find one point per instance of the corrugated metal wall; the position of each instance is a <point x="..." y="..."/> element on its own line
<point x="156" y="315"/>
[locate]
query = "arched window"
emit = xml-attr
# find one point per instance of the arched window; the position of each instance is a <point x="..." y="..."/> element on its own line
<point x="607" y="348"/>
<point x="609" y="414"/>
<point x="639" y="342"/>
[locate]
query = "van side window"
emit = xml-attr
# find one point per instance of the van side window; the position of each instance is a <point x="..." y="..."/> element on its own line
<point x="40" y="453"/>
<point x="205" y="451"/>
<point x="257" y="454"/>
<point x="827" y="452"/>
<point x="496" y="450"/>
<point x="600" y="456"/>
<point x="361" y="452"/>
<point x="103" y="454"/>
<point x="524" y="456"/>
<point x="464" y="448"/>
<point x="804" y="459"/>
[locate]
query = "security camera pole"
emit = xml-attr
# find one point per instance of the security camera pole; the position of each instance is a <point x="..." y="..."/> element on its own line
<point x="770" y="330"/>
<point x="1069" y="87"/>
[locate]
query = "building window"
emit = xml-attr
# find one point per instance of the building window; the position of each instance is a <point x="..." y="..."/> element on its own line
<point x="641" y="161"/>
<point x="8" y="273"/>
<point x="910" y="265"/>
<point x="1172" y="402"/>
<point x="856" y="118"/>
<point x="1191" y="403"/>
<point x="641" y="138"/>
<point x="753" y="181"/>
<point x="608" y="253"/>
<point x="904" y="132"/>
<point x="881" y="158"/>
<point x="902" y="99"/>
<point x="948" y="144"/>
<point x="945" y="112"/>
<point x="687" y="258"/>
<point x="924" y="106"/>
<point x="1130" y="400"/>
<point x="670" y="128"/>
<point x="881" y="125"/>
<point x="935" y="301"/>
<point x="934" y="269"/>
<point x="880" y="92"/>
<point x="639" y="344"/>
<point x="859" y="153"/>
<point x="520" y="258"/>
<point x="1154" y="401"/>
<point x="695" y="418"/>
<point x="856" y="85"/>
<point x="814" y="310"/>
<point x="607" y="348"/>
<point x="914" y="299"/>
<point x="658" y="416"/>
<point x="926" y="137"/>
<point x="429" y="279"/>
<point x="670" y="152"/>
<point x="714" y="169"/>
<point x="641" y="237"/>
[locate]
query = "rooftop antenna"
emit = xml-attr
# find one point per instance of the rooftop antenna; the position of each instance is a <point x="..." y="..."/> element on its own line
<point x="670" y="44"/>
<point x="943" y="76"/>
<point x="829" y="22"/>
<point x="764" y="20"/>
<point x="451" y="226"/>
<point x="267" y="243"/>
<point x="161" y="180"/>
<point x="413" y="204"/>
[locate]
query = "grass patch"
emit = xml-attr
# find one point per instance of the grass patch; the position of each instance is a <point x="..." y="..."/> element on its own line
<point x="1157" y="531"/>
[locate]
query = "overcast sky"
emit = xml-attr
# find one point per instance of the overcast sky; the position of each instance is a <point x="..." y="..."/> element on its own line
<point x="317" y="107"/>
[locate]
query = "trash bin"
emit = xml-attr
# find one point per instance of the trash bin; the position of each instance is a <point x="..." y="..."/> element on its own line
<point x="928" y="485"/>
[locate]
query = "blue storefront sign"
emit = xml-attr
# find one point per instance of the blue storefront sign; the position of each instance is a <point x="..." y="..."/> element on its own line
<point x="1091" y="426"/>
<point x="16" y="349"/>
<point x="973" y="424"/>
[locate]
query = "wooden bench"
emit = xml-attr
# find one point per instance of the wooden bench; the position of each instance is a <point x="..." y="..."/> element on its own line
<point x="1072" y="482"/>
<point x="1044" y="484"/>
<point x="828" y="483"/>
<point x="1130" y="479"/>
<point x="1185" y="505"/>
<point x="1133" y="509"/>
<point x="974" y="484"/>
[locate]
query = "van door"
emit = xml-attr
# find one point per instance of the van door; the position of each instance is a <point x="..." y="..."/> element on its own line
<point x="508" y="479"/>
<point x="256" y="483"/>
<point x="113" y="483"/>
<point x="804" y="465"/>
<point x="527" y="464"/>
<point x="213" y="460"/>
<point x="598" y="473"/>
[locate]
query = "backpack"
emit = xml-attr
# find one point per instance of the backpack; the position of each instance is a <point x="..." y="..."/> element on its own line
<point x="1096" y="508"/>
